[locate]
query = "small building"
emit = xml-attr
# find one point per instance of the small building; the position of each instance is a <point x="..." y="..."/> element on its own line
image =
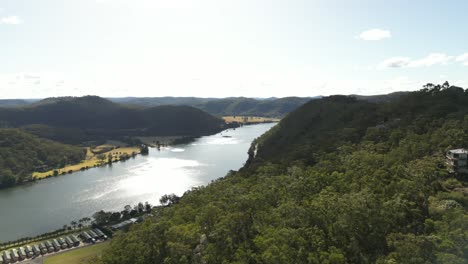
<point x="14" y="255"/>
<point x="76" y="242"/>
<point x="49" y="246"/>
<point x="56" y="244"/>
<point x="86" y="237"/>
<point x="29" y="251"/>
<point x="6" y="257"/>
<point x="93" y="234"/>
<point x="43" y="248"/>
<point x="21" y="253"/>
<point x="457" y="160"/>
<point x="100" y="233"/>
<point x="62" y="243"/>
<point x="125" y="223"/>
<point x="69" y="242"/>
<point x="36" y="250"/>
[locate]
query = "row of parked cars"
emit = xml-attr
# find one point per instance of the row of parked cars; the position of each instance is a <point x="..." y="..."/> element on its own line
<point x="34" y="251"/>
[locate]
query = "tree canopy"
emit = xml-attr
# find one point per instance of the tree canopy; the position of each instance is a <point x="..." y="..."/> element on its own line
<point x="340" y="180"/>
<point x="22" y="153"/>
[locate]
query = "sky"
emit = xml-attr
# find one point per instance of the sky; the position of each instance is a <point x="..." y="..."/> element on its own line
<point x="224" y="48"/>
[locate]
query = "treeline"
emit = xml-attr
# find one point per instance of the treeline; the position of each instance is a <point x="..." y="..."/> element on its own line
<point x="337" y="181"/>
<point x="75" y="120"/>
<point x="22" y="153"/>
<point x="240" y="106"/>
<point x="103" y="218"/>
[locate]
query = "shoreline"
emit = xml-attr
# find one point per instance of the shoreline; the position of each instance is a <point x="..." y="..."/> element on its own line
<point x="216" y="135"/>
<point x="91" y="161"/>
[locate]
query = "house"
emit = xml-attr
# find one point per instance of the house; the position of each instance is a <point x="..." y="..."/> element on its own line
<point x="93" y="234"/>
<point x="56" y="244"/>
<point x="457" y="160"/>
<point x="76" y="242"/>
<point x="29" y="251"/>
<point x="100" y="233"/>
<point x="43" y="248"/>
<point x="62" y="243"/>
<point x="14" y="255"/>
<point x="126" y="223"/>
<point x="86" y="237"/>
<point x="49" y="246"/>
<point x="6" y="257"/>
<point x="36" y="250"/>
<point x="69" y="242"/>
<point x="21" y="253"/>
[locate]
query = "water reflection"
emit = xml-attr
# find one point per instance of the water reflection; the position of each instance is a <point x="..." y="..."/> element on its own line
<point x="49" y="204"/>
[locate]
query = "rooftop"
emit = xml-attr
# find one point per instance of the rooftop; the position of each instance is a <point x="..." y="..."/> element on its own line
<point x="458" y="151"/>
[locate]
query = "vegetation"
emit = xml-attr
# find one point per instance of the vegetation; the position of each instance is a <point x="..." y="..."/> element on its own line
<point x="22" y="153"/>
<point x="103" y="218"/>
<point x="338" y="181"/>
<point x="76" y="120"/>
<point x="97" y="157"/>
<point x="87" y="254"/>
<point x="241" y="106"/>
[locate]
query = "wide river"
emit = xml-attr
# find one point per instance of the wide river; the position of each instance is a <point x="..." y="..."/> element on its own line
<point x="49" y="204"/>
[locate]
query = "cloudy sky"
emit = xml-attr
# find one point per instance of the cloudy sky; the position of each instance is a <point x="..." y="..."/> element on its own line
<point x="219" y="48"/>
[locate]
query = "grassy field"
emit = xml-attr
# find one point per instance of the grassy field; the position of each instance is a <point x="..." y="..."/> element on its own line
<point x="249" y="119"/>
<point x="77" y="256"/>
<point x="91" y="160"/>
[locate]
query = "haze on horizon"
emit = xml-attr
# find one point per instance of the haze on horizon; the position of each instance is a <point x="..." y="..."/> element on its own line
<point x="212" y="48"/>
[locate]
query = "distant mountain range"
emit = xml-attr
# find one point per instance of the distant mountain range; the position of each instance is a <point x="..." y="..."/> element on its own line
<point x="240" y="106"/>
<point x="78" y="119"/>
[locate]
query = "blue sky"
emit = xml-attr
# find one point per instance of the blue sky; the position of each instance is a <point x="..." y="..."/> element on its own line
<point x="220" y="48"/>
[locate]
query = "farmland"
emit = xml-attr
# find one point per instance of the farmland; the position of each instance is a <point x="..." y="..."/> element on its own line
<point x="94" y="157"/>
<point x="249" y="119"/>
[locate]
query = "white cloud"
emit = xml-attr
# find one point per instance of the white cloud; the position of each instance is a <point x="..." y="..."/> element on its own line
<point x="375" y="34"/>
<point x="429" y="60"/>
<point x="395" y="62"/>
<point x="463" y="59"/>
<point x="11" y="20"/>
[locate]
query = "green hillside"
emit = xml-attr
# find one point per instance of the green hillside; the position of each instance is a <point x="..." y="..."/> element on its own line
<point x="339" y="180"/>
<point x="22" y="153"/>
<point x="241" y="106"/>
<point x="78" y="119"/>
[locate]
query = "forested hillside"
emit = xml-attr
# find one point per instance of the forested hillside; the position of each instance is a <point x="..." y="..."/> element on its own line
<point x="240" y="106"/>
<point x="22" y="153"/>
<point x="77" y="119"/>
<point x="337" y="181"/>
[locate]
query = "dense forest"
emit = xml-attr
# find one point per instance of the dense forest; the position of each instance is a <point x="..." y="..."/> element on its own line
<point x="339" y="180"/>
<point x="78" y="119"/>
<point x="22" y="153"/>
<point x="241" y="106"/>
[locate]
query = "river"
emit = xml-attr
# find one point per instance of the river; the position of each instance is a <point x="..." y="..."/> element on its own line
<point x="49" y="204"/>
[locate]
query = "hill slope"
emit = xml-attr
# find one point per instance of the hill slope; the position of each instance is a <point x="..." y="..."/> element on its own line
<point x="368" y="186"/>
<point x="274" y="107"/>
<point x="21" y="153"/>
<point x="75" y="119"/>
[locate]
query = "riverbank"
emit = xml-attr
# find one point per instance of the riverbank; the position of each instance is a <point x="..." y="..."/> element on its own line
<point x="34" y="208"/>
<point x="249" y="119"/>
<point x="99" y="156"/>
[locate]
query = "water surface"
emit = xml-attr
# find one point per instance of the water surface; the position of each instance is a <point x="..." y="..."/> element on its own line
<point x="47" y="205"/>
